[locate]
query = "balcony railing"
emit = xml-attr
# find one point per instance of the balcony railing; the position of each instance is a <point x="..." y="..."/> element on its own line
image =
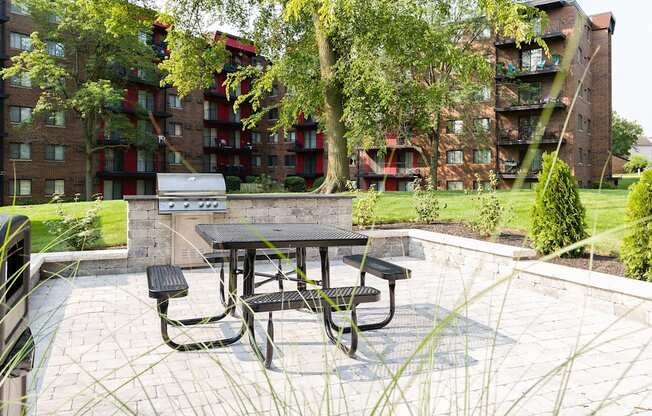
<point x="526" y="136"/>
<point x="531" y="103"/>
<point x="212" y="116"/>
<point x="114" y="165"/>
<point x="226" y="145"/>
<point x="145" y="166"/>
<point x="398" y="170"/>
<point x="553" y="29"/>
<point x="512" y="169"/>
<point x="511" y="71"/>
<point x="306" y="147"/>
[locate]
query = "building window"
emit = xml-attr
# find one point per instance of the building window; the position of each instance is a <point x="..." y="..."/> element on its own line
<point x="19" y="114"/>
<point x="580" y="55"/>
<point x="588" y="125"/>
<point x="256" y="161"/>
<point x="482" y="156"/>
<point x="55" y="152"/>
<point x="455" y="185"/>
<point x="290" y="161"/>
<point x="484" y="94"/>
<point x="54" y="187"/>
<point x="144" y="38"/>
<point x="56" y="49"/>
<point x="310" y="139"/>
<point x="272" y="160"/>
<point x="290" y="137"/>
<point x="210" y="110"/>
<point x="454" y="126"/>
<point x="176" y="129"/>
<point x="580" y="122"/>
<point x="484" y="185"/>
<point x="145" y="187"/>
<point x="174" y="101"/>
<point x="532" y="60"/>
<point x="20" y="151"/>
<point x="19" y="8"/>
<point x="21" y="80"/>
<point x="580" y="155"/>
<point x="55" y="119"/>
<point x="273" y="138"/>
<point x="455" y="157"/>
<point x="175" y="158"/>
<point x="20" y="41"/>
<point x="580" y="88"/>
<point x="146" y="100"/>
<point x="256" y="137"/>
<point x="481" y="125"/>
<point x="20" y="187"/>
<point x="272" y="114"/>
<point x="588" y="94"/>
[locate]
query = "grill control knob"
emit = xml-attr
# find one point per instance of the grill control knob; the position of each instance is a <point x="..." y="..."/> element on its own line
<point x="186" y="204"/>
<point x="215" y="204"/>
<point x="201" y="204"/>
<point x="171" y="204"/>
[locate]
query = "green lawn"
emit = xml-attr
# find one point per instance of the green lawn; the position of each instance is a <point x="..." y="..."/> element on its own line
<point x="113" y="220"/>
<point x="607" y="208"/>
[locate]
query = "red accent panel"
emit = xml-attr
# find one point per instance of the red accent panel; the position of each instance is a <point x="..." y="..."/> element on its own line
<point x="391" y="184"/>
<point x="299" y="166"/>
<point x="129" y="187"/>
<point x="131" y="160"/>
<point x="320" y="140"/>
<point x="236" y="44"/>
<point x="223" y="111"/>
<point x="319" y="163"/>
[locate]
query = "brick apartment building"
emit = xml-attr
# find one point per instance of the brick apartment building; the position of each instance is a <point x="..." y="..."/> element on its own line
<point x="203" y="134"/>
<point x="506" y="121"/>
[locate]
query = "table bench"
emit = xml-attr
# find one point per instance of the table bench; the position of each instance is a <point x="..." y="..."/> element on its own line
<point x="325" y="300"/>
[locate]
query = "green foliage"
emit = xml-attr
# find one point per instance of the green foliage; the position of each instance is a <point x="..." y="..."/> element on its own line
<point x="491" y="211"/>
<point x="624" y="133"/>
<point x="558" y="218"/>
<point x="426" y="202"/>
<point x="636" y="252"/>
<point x="317" y="183"/>
<point x="295" y="184"/>
<point x="251" y="179"/>
<point x="232" y="183"/>
<point x="78" y="233"/>
<point x="364" y="208"/>
<point x="265" y="182"/>
<point x="603" y="185"/>
<point x="636" y="163"/>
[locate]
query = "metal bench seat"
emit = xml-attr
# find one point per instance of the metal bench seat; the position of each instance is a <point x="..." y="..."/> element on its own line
<point x="326" y="299"/>
<point x="381" y="269"/>
<point x="377" y="267"/>
<point x="168" y="282"/>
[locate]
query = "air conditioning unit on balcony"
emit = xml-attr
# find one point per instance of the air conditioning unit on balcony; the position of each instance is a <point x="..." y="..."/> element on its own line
<point x="161" y="139"/>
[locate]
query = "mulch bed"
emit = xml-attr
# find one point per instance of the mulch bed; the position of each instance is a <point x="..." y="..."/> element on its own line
<point x="603" y="264"/>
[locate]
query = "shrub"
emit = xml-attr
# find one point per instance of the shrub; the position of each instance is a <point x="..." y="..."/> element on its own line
<point x="490" y="210"/>
<point x="636" y="251"/>
<point x="605" y="185"/>
<point x="364" y="206"/>
<point x="265" y="182"/>
<point x="78" y="233"/>
<point x="317" y="183"/>
<point x="232" y="183"/>
<point x="636" y="163"/>
<point x="250" y="179"/>
<point x="295" y="184"/>
<point x="558" y="218"/>
<point x="426" y="203"/>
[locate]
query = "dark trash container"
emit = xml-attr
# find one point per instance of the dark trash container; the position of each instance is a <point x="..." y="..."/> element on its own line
<point x="16" y="341"/>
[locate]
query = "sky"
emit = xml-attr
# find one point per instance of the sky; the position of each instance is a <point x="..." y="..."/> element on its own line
<point x="631" y="60"/>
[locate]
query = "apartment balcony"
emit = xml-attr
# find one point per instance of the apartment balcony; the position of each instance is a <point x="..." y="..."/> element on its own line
<point x="307" y="123"/>
<point x="161" y="50"/>
<point x="512" y="169"/>
<point x="530" y="105"/>
<point x="399" y="171"/>
<point x="303" y="148"/>
<point x="114" y="168"/>
<point x="525" y="137"/>
<point x="213" y="144"/>
<point x="230" y="67"/>
<point x="213" y="119"/>
<point x="509" y="72"/>
<point x="553" y="30"/>
<point x="227" y="170"/>
<point x="544" y="4"/>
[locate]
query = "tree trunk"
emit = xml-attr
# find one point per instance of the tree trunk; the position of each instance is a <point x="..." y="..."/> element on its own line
<point x="337" y="171"/>
<point x="433" y="163"/>
<point x="88" y="169"/>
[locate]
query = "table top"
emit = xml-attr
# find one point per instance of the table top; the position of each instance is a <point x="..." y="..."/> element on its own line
<point x="243" y="236"/>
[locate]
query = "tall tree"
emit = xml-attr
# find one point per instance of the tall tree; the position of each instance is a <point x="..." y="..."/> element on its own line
<point x="323" y="52"/>
<point x="624" y="133"/>
<point x="81" y="59"/>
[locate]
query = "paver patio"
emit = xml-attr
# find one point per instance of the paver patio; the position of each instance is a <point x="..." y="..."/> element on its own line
<point x="99" y="352"/>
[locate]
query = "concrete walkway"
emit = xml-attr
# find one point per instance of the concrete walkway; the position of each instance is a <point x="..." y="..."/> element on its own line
<point x="99" y="352"/>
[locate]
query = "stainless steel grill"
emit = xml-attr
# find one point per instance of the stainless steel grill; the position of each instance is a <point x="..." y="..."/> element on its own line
<point x="191" y="192"/>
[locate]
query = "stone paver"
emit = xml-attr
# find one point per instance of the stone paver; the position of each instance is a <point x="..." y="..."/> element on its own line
<point x="99" y="352"/>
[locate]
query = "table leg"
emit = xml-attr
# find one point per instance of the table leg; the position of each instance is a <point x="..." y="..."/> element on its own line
<point x="233" y="281"/>
<point x="325" y="268"/>
<point x="301" y="268"/>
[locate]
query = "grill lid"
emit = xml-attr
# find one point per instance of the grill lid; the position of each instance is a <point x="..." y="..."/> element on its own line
<point x="191" y="184"/>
